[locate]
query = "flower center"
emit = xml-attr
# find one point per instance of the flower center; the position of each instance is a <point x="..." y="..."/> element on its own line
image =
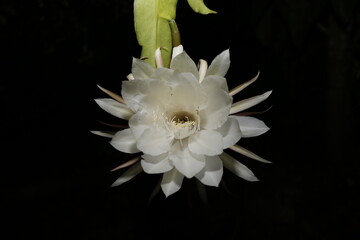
<point x="182" y="124"/>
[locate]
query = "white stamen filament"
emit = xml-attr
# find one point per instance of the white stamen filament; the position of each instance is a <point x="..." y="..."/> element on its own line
<point x="181" y="124"/>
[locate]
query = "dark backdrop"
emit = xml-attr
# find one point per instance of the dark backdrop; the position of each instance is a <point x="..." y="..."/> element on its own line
<point x="56" y="173"/>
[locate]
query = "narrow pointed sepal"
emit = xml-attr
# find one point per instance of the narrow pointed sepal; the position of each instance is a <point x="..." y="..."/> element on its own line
<point x="108" y="134"/>
<point x="127" y="164"/>
<point x="115" y="108"/>
<point x="248" y="153"/>
<point x="128" y="175"/>
<point x="237" y="168"/>
<point x="249" y="102"/>
<point x="112" y="94"/>
<point x="244" y="85"/>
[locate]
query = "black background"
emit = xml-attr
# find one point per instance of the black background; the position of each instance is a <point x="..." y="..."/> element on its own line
<point x="56" y="173"/>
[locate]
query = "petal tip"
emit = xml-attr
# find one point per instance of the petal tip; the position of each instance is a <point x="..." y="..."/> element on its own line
<point x="268" y="93"/>
<point x="254" y="179"/>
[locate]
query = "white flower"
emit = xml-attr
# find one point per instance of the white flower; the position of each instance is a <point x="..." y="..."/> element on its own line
<point x="182" y="118"/>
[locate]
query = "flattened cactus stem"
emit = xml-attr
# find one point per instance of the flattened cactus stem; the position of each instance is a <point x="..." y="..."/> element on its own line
<point x="175" y="34"/>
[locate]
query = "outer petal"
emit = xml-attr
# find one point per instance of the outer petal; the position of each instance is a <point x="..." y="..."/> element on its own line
<point x="219" y="103"/>
<point x="115" y="108"/>
<point x="154" y="141"/>
<point x="206" y="142"/>
<point x="124" y="141"/>
<point x="220" y="65"/>
<point x="128" y="175"/>
<point x="230" y="131"/>
<point x="251" y="127"/>
<point x="171" y="182"/>
<point x="156" y="164"/>
<point x="237" y="168"/>
<point x="186" y="162"/>
<point x="141" y="69"/>
<point x="212" y="173"/>
<point x="183" y="63"/>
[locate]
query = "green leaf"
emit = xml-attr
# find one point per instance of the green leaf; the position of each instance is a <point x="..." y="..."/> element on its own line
<point x="199" y="6"/>
<point x="152" y="28"/>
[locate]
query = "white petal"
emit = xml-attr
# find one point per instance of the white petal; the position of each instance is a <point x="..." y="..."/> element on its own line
<point x="215" y="114"/>
<point x="186" y="93"/>
<point x="154" y="141"/>
<point x="183" y="63"/>
<point x="220" y="65"/>
<point x="141" y="69"/>
<point x="145" y="94"/>
<point x="134" y="92"/>
<point x="230" y="131"/>
<point x="237" y="168"/>
<point x="212" y="173"/>
<point x="213" y="82"/>
<point x="250" y="126"/>
<point x="248" y="103"/>
<point x="186" y="162"/>
<point x="171" y="182"/>
<point x="139" y="122"/>
<point x="124" y="141"/>
<point x="177" y="50"/>
<point x="115" y="108"/>
<point x="164" y="74"/>
<point x="206" y="142"/>
<point x="156" y="164"/>
<point x="128" y="175"/>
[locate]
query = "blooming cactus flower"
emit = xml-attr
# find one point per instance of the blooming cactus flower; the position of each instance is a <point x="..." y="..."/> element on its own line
<point x="181" y="119"/>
